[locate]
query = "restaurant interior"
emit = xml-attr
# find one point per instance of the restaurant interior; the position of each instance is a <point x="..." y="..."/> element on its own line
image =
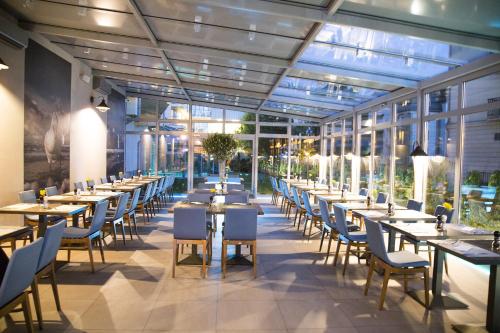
<point x="250" y="165"/>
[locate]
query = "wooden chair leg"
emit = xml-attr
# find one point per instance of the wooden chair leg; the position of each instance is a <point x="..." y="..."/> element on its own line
<point x="339" y="242"/>
<point x="101" y="250"/>
<point x="370" y="273"/>
<point x="175" y="249"/>
<point x="330" y="237"/>
<point x="91" y="255"/>
<point x="27" y="313"/>
<point x="445" y="264"/>
<point x="36" y="300"/>
<point x="134" y="222"/>
<point x="122" y="224"/>
<point x="310" y="229"/>
<point x="254" y="259"/>
<point x="387" y="275"/>
<point x="129" y="226"/>
<point x="405" y="282"/>
<point x="53" y="283"/>
<point x="426" y="286"/>
<point x="347" y="255"/>
<point x="69" y="255"/>
<point x="204" y="264"/>
<point x="323" y="232"/>
<point x="223" y="258"/>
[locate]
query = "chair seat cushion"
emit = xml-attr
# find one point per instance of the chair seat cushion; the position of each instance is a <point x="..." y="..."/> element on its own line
<point x="74" y="232"/>
<point x="406" y="259"/>
<point x="356" y="236"/>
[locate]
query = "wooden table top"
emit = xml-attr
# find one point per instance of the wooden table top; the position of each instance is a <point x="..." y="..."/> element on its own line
<point x="108" y="194"/>
<point x="399" y="215"/>
<point x="362" y="206"/>
<point x="219" y="208"/>
<point x="37" y="209"/>
<point x="7" y="232"/>
<point x="84" y="199"/>
<point x="118" y="187"/>
<point x="426" y="231"/>
<point x="476" y="251"/>
<point x="338" y="197"/>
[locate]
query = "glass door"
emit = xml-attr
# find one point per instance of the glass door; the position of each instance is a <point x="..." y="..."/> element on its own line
<point x="241" y="165"/>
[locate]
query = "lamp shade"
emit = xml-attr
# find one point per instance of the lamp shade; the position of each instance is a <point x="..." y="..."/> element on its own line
<point x="103" y="107"/>
<point x="3" y="65"/>
<point x="418" y="150"/>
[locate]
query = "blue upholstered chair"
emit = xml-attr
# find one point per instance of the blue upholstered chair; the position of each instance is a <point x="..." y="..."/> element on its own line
<point x="79" y="186"/>
<point x="328" y="227"/>
<point x="213" y="179"/>
<point x="46" y="266"/>
<point x="414" y="205"/>
<point x="104" y="180"/>
<point x="363" y="191"/>
<point x="17" y="278"/>
<point x="90" y="183"/>
<point x="144" y="204"/>
<point x="130" y="212"/>
<point x="313" y="216"/>
<point x="237" y="198"/>
<point x="382" y="198"/>
<point x="152" y="194"/>
<point x="51" y="190"/>
<point x="350" y="238"/>
<point x="235" y="180"/>
<point x="299" y="208"/>
<point x="199" y="197"/>
<point x="190" y="227"/>
<point x="30" y="219"/>
<point x="204" y="186"/>
<point x="112" y="178"/>
<point x="115" y="218"/>
<point x="75" y="238"/>
<point x="346" y="187"/>
<point x="235" y="187"/>
<point x="401" y="262"/>
<point x="276" y="191"/>
<point x="240" y="229"/>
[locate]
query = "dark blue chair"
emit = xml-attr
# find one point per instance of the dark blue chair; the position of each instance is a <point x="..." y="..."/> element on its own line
<point x="346" y="187"/>
<point x="115" y="218"/>
<point x="51" y="190"/>
<point x="104" y="180"/>
<point x="350" y="238"/>
<point x="240" y="229"/>
<point x="382" y="198"/>
<point x="200" y="197"/>
<point x="46" y="266"/>
<point x="299" y="208"/>
<point x="328" y="227"/>
<point x="363" y="191"/>
<point x="235" y="187"/>
<point x="190" y="227"/>
<point x="75" y="238"/>
<point x="414" y="205"/>
<point x="401" y="262"/>
<point x="17" y="278"/>
<point x="311" y="215"/>
<point x="241" y="198"/>
<point x="79" y="186"/>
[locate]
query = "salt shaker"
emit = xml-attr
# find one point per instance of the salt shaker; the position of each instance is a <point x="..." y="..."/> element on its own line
<point x="495" y="245"/>
<point x="390" y="209"/>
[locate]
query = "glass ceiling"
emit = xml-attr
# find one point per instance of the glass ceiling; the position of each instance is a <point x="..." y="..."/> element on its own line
<point x="298" y="109"/>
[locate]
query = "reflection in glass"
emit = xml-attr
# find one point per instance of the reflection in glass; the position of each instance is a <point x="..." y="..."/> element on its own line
<point x="336" y="161"/>
<point x="365" y="154"/>
<point x="305" y="158"/>
<point x="348" y="160"/>
<point x="404" y="173"/>
<point x="173" y="159"/>
<point x="443" y="100"/>
<point x="406" y="109"/>
<point x="241" y="164"/>
<point x="382" y="161"/>
<point x="273" y="161"/>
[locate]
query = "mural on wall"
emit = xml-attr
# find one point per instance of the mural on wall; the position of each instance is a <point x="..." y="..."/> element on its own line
<point x="47" y="108"/>
<point x="116" y="133"/>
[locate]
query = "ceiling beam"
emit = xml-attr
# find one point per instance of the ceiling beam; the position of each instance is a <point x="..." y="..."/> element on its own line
<point x="306" y="102"/>
<point x="163" y="55"/>
<point x="145" y="43"/>
<point x="349" y="72"/>
<point x="333" y="6"/>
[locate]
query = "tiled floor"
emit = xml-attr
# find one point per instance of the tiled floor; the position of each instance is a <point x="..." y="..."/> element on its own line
<point x="296" y="291"/>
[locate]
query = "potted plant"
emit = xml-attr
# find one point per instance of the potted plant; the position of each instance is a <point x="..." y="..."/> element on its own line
<point x="222" y="147"/>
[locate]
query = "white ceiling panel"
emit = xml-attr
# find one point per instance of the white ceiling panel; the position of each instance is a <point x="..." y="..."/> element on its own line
<point x="128" y="69"/>
<point x="205" y="80"/>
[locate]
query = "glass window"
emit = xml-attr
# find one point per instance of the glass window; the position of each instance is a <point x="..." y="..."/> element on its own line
<point x="173" y="159"/>
<point x="174" y="111"/>
<point x="365" y="154"/>
<point x="305" y="158"/>
<point x="328" y="150"/>
<point x="404" y="173"/>
<point x="239" y="116"/>
<point x="273" y="129"/>
<point x="272" y="161"/>
<point x="206" y="113"/>
<point x="207" y="127"/>
<point x="483" y="90"/>
<point x="384" y="115"/>
<point x="305" y="130"/>
<point x="348" y="159"/>
<point x="382" y="161"/>
<point x="173" y="127"/>
<point x="443" y="100"/>
<point x="441" y="147"/>
<point x="241" y="164"/>
<point x="480" y="198"/>
<point x="328" y="129"/>
<point x="140" y="152"/>
<point x="406" y="109"/>
<point x="365" y="120"/>
<point x="203" y="165"/>
<point x="348" y="125"/>
<point x="337" y="126"/>
<point x="148" y="109"/>
<point x="264" y="118"/>
<point x="336" y="160"/>
<point x="235" y="128"/>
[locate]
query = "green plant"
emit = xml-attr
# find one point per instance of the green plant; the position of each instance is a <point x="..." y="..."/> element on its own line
<point x="473" y="178"/>
<point x="494" y="180"/>
<point x="220" y="146"/>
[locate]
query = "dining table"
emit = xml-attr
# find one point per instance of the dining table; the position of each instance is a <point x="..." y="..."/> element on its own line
<point x="477" y="252"/>
<point x="426" y="232"/>
<point x="53" y="209"/>
<point x="8" y="233"/>
<point x="215" y="209"/>
<point x="339" y="198"/>
<point x="127" y="187"/>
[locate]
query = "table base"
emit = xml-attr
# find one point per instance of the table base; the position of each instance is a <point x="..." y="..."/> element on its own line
<point x="238" y="260"/>
<point x="442" y="302"/>
<point x="469" y="329"/>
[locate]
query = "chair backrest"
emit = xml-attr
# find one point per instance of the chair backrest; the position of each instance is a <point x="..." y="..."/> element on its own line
<point x="236" y="180"/>
<point x="213" y="179"/>
<point x="235" y="187"/>
<point x="99" y="216"/>
<point x="199" y="197"/>
<point x="147" y="193"/>
<point x="240" y="224"/>
<point x="441" y="210"/>
<point x="414" y="204"/>
<point x="190" y="223"/>
<point x="135" y="199"/>
<point x="340" y="220"/>
<point x="153" y="189"/>
<point x="296" y="197"/>
<point x="51" y="190"/>
<point x="160" y="185"/>
<point x="346" y="187"/>
<point x="51" y="244"/>
<point x="325" y="213"/>
<point x="237" y="198"/>
<point x="104" y="180"/>
<point x="90" y="183"/>
<point x="27" y="196"/>
<point x="20" y="271"/>
<point x="204" y="186"/>
<point x="273" y="183"/>
<point x="363" y="191"/>
<point x="376" y="240"/>
<point x="382" y="197"/>
<point x="121" y="206"/>
<point x="79" y="186"/>
<point x="307" y="203"/>
<point x="112" y="178"/>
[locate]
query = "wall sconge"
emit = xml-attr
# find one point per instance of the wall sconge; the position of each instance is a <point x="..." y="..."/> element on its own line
<point x="418" y="150"/>
<point x="103" y="107"/>
<point x="3" y="65"/>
